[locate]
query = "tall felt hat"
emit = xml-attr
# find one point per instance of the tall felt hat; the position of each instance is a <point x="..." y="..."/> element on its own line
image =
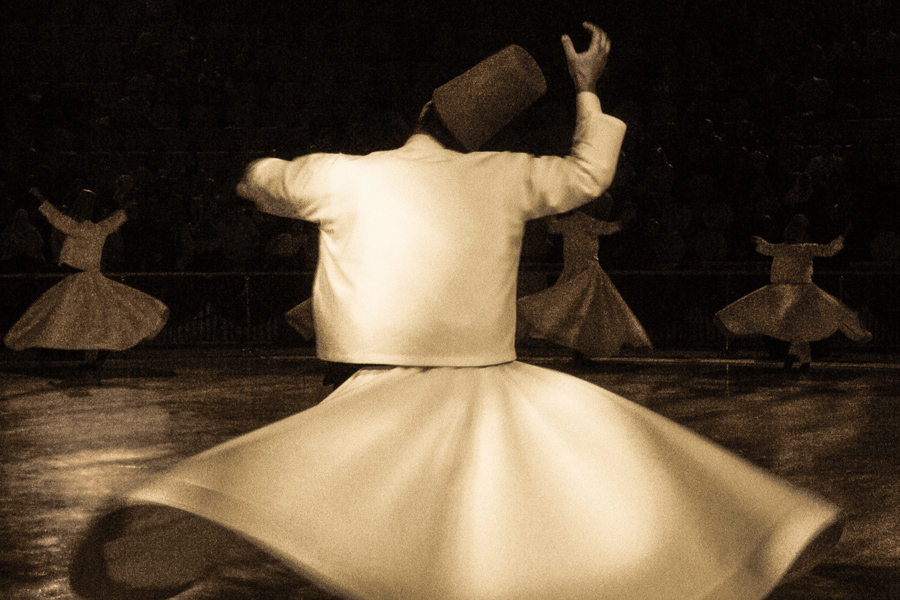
<point x="795" y="232"/>
<point x="481" y="101"/>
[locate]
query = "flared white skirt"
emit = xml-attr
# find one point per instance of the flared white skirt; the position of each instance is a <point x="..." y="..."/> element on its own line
<point x="87" y="311"/>
<point x="792" y="312"/>
<point x="510" y="482"/>
<point x="584" y="312"/>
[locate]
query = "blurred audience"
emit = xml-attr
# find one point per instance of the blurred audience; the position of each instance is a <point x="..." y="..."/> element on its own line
<point x="739" y="115"/>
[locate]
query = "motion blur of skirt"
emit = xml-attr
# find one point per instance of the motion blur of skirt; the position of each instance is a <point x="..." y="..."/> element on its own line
<point x="87" y="311"/>
<point x="584" y="312"/>
<point x="509" y="482"/>
<point x="793" y="312"/>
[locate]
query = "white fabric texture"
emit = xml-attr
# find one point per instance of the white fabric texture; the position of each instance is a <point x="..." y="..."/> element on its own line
<point x="793" y="263"/>
<point x="83" y="246"/>
<point x="792" y="312"/>
<point x="447" y="480"/>
<point x="419" y="246"/>
<point x="87" y="311"/>
<point x="505" y="482"/>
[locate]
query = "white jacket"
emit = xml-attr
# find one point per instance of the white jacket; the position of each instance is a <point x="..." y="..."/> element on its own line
<point x="419" y="246"/>
<point x="83" y="246"/>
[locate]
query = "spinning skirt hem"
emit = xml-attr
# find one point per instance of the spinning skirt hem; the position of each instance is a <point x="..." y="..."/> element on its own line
<point x="584" y="312"/>
<point x="792" y="313"/>
<point x="495" y="483"/>
<point x="87" y="311"/>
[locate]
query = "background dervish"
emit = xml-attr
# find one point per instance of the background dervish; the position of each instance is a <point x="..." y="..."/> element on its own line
<point x="444" y="468"/>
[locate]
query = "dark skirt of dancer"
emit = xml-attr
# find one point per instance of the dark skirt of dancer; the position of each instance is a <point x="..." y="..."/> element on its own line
<point x="87" y="311"/>
<point x="792" y="312"/>
<point x="584" y="312"/>
<point x="301" y="319"/>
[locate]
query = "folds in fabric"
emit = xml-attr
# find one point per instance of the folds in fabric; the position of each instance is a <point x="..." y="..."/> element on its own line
<point x="584" y="312"/>
<point x="503" y="482"/>
<point x="88" y="311"/>
<point x="792" y="312"/>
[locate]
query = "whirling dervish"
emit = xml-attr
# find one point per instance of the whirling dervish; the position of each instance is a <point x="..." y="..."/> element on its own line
<point x="445" y="469"/>
<point x="86" y="310"/>
<point x="582" y="310"/>
<point x="792" y="308"/>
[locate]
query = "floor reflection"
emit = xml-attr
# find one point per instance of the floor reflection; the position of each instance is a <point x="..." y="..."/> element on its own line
<point x="69" y="446"/>
<point x="834" y="431"/>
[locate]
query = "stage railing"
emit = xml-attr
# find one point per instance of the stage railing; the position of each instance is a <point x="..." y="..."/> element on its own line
<point x="676" y="307"/>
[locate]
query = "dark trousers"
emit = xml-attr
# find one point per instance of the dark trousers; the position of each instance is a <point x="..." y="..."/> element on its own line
<point x="337" y="373"/>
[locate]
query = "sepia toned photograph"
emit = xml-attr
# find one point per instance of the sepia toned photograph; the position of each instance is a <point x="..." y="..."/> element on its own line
<point x="471" y="300"/>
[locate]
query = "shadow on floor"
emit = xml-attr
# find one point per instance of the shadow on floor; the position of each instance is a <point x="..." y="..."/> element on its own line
<point x="67" y="375"/>
<point x="843" y="582"/>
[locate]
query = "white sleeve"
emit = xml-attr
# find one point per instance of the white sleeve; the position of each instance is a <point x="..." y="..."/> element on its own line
<point x="560" y="184"/>
<point x="295" y="189"/>
<point x="66" y="224"/>
<point x="830" y="249"/>
<point x="113" y="221"/>
<point x="765" y="248"/>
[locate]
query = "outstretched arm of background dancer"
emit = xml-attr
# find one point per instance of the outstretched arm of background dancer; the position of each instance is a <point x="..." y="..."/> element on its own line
<point x="117" y="219"/>
<point x="763" y="247"/>
<point x="37" y="195"/>
<point x="831" y="248"/>
<point x="835" y="246"/>
<point x="66" y="224"/>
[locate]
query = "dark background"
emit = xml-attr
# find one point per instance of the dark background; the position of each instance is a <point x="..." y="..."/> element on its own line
<point x="728" y="104"/>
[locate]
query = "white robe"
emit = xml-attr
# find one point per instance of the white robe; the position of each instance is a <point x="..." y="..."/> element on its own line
<point x="466" y="475"/>
<point x="87" y="311"/>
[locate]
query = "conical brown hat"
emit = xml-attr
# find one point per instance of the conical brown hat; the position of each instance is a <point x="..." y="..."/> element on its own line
<point x="481" y="101"/>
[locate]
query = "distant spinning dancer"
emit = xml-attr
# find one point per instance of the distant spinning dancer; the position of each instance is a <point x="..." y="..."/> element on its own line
<point x="582" y="310"/>
<point x="454" y="471"/>
<point x="792" y="308"/>
<point x="86" y="311"/>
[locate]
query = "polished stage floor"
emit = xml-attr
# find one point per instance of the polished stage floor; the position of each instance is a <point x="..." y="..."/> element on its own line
<point x="69" y="443"/>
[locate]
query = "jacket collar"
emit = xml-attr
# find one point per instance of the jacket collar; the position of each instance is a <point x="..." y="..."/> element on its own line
<point x="422" y="142"/>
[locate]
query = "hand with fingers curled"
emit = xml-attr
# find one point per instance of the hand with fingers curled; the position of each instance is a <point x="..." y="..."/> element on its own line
<point x="586" y="67"/>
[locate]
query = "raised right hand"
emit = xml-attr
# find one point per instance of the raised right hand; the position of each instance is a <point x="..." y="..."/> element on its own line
<point x="586" y="67"/>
